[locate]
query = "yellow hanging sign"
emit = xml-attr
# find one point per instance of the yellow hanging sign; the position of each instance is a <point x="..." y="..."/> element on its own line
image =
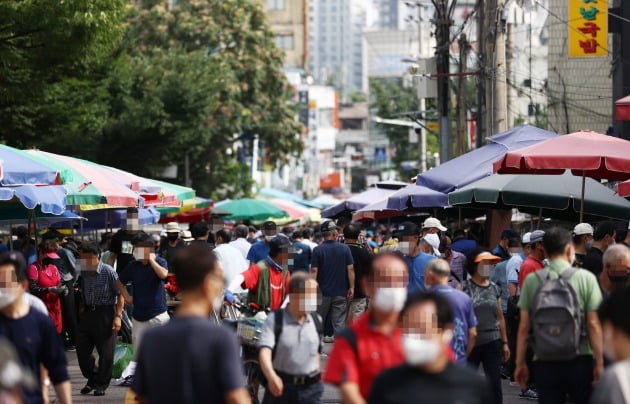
<point x="588" y="28"/>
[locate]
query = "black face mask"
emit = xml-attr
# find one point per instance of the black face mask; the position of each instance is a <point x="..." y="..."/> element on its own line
<point x="172" y="237"/>
<point x="619" y="280"/>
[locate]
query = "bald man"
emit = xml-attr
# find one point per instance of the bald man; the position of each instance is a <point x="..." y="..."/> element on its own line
<point x="616" y="273"/>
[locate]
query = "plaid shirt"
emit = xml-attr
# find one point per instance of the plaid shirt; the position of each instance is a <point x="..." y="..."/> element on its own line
<point x="100" y="288"/>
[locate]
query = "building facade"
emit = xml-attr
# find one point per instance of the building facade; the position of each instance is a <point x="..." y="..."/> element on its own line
<point x="289" y="22"/>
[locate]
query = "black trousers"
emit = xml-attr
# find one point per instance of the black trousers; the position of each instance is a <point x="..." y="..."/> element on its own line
<point x="556" y="380"/>
<point x="95" y="331"/>
<point x="294" y="394"/>
<point x="69" y="314"/>
<point x="489" y="355"/>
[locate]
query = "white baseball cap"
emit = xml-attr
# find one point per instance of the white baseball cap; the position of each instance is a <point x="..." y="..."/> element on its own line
<point x="433" y="222"/>
<point x="527" y="237"/>
<point x="583" y="228"/>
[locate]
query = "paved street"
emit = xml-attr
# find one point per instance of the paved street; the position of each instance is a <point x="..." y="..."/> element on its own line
<point x="117" y="394"/>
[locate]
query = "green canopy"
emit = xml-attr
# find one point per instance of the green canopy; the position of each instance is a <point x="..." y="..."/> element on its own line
<point x="251" y="209"/>
<point x="556" y="195"/>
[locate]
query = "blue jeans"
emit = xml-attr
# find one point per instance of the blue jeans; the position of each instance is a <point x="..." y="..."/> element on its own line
<point x="297" y="394"/>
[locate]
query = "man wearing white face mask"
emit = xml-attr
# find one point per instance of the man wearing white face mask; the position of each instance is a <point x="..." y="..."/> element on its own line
<point x="416" y="257"/>
<point x="260" y="249"/>
<point x="372" y="343"/>
<point x="428" y="375"/>
<point x="290" y="347"/>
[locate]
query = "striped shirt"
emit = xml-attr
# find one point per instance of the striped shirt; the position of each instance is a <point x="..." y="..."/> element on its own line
<point x="100" y="288"/>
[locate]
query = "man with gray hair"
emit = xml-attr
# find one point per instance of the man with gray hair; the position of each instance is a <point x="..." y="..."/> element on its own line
<point x="240" y="240"/>
<point x="616" y="271"/>
<point x="465" y="322"/>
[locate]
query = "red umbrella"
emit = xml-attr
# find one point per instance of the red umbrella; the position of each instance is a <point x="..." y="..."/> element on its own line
<point x="585" y="153"/>
<point x="623" y="189"/>
<point x="622" y="109"/>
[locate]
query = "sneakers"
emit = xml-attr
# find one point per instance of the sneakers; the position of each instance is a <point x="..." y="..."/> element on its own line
<point x="528" y="394"/>
<point x="99" y="393"/>
<point x="87" y="389"/>
<point x="123" y="381"/>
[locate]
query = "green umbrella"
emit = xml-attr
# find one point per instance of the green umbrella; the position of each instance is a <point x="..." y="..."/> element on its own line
<point x="550" y="195"/>
<point x="252" y="209"/>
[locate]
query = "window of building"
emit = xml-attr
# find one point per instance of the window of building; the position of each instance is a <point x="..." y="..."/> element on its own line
<point x="275" y="4"/>
<point x="284" y="41"/>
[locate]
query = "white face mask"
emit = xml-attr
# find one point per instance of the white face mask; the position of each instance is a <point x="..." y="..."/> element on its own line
<point x="485" y="270"/>
<point x="7" y="296"/>
<point x="404" y="247"/>
<point x="269" y="238"/>
<point x="390" y="299"/>
<point x="309" y="304"/>
<point x="418" y="350"/>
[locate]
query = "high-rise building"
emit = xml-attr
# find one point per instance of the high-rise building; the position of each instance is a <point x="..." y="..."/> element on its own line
<point x="336" y="43"/>
<point x="289" y="22"/>
<point x="394" y="15"/>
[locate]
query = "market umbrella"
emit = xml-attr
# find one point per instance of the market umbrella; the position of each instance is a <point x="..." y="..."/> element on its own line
<point x="251" y="209"/>
<point x="550" y="195"/>
<point x="622" y="109"/>
<point x="48" y="199"/>
<point x="85" y="184"/>
<point x="18" y="215"/>
<point x="287" y="196"/>
<point x="375" y="211"/>
<point x="19" y="168"/>
<point x="585" y="153"/>
<point x="623" y="189"/>
<point x="295" y="211"/>
<point x="416" y="196"/>
<point x="115" y="218"/>
<point x="380" y="191"/>
<point x="477" y="163"/>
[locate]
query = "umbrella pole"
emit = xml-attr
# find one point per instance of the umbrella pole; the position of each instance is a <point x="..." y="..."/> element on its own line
<point x="539" y="218"/>
<point x="582" y="201"/>
<point x="459" y="218"/>
<point x="10" y="236"/>
<point x="32" y="217"/>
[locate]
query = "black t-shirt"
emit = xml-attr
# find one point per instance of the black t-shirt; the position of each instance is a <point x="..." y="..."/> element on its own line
<point x="594" y="260"/>
<point x="188" y="360"/>
<point x="121" y="245"/>
<point x="457" y="384"/>
<point x="579" y="260"/>
<point x="167" y="252"/>
<point x="362" y="261"/>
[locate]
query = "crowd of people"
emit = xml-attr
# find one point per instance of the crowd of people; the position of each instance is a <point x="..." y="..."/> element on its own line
<point x="411" y="312"/>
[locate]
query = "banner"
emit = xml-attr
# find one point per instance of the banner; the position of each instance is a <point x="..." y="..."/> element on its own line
<point x="588" y="28"/>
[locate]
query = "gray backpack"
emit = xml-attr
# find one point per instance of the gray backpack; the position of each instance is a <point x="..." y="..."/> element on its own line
<point x="556" y="317"/>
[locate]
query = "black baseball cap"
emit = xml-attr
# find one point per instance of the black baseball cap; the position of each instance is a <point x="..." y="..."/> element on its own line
<point x="269" y="225"/>
<point x="329" y="225"/>
<point x="408" y="229"/>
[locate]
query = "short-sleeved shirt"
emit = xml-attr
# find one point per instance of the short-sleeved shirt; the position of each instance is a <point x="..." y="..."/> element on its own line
<point x="302" y="256"/>
<point x="417" y="265"/>
<point x="297" y="351"/>
<point x="484" y="300"/>
<point x="100" y="288"/>
<point x="258" y="252"/>
<point x="149" y="296"/>
<point x="242" y="245"/>
<point x="376" y="352"/>
<point x="36" y="341"/>
<point x="614" y="386"/>
<point x="331" y="259"/>
<point x="500" y="252"/>
<point x="189" y="360"/>
<point x="407" y="384"/>
<point x="463" y="319"/>
<point x="583" y="282"/>
<point x="499" y="277"/>
<point x="122" y="247"/>
<point x="594" y="260"/>
<point x="513" y="268"/>
<point x="362" y="261"/>
<point x="531" y="264"/>
<point x="250" y="282"/>
<point x="231" y="261"/>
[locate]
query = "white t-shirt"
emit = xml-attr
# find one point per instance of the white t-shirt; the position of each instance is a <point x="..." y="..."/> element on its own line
<point x="242" y="245"/>
<point x="309" y="243"/>
<point x="232" y="262"/>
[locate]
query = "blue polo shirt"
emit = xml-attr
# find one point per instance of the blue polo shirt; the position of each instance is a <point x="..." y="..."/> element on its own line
<point x="258" y="252"/>
<point x="331" y="259"/>
<point x="417" y="265"/>
<point x="149" y="296"/>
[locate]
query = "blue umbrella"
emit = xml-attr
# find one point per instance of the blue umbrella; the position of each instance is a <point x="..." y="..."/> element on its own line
<point x="18" y="168"/>
<point x="417" y="197"/>
<point x="20" y="215"/>
<point x="50" y="199"/>
<point x="477" y="163"/>
<point x="98" y="219"/>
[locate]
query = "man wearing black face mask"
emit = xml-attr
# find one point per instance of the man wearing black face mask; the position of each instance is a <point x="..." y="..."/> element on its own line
<point x="616" y="273"/>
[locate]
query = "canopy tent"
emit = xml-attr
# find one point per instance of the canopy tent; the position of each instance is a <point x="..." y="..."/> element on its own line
<point x="555" y="196"/>
<point x="416" y="196"/>
<point x="477" y="163"/>
<point x="251" y="209"/>
<point x="19" y="168"/>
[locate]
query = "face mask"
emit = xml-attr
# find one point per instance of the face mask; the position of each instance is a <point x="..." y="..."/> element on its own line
<point x="7" y="296"/>
<point x="390" y="299"/>
<point x="309" y="304"/>
<point x="485" y="270"/>
<point x="619" y="280"/>
<point x="138" y="254"/>
<point x="269" y="238"/>
<point x="419" y="351"/>
<point x="589" y="244"/>
<point x="172" y="236"/>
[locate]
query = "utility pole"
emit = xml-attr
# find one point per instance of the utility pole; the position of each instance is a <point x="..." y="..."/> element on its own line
<point x="495" y="51"/>
<point x="481" y="77"/>
<point x="422" y="138"/>
<point x="462" y="121"/>
<point x="443" y="12"/>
